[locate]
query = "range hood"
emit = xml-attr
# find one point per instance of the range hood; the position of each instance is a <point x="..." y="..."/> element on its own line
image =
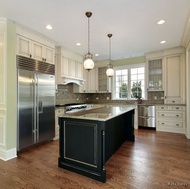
<point x="66" y="80"/>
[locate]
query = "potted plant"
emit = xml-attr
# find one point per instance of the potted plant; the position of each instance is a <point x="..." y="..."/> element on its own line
<point x="137" y="91"/>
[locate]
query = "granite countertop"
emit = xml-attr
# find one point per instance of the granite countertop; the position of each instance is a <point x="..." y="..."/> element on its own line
<point x="100" y="114"/>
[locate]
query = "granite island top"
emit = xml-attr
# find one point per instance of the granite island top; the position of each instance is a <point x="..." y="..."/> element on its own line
<point x="100" y="114"/>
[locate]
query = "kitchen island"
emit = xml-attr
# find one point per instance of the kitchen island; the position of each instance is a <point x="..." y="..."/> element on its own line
<point x="89" y="138"/>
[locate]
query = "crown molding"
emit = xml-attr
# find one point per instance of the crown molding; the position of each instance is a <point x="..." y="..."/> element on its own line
<point x="186" y="34"/>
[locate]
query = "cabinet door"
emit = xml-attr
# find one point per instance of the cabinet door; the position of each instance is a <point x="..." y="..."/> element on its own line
<point x="37" y="51"/>
<point x="155" y="75"/>
<point x="79" y="70"/>
<point x="174" y="79"/>
<point x="49" y="54"/>
<point x="24" y="46"/>
<point x="71" y="68"/>
<point x="64" y="66"/>
<point x="92" y="81"/>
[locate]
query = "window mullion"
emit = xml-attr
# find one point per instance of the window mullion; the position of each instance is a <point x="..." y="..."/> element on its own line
<point x="129" y="83"/>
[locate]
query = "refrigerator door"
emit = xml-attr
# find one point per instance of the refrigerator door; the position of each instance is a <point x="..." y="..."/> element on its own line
<point x="26" y="109"/>
<point x="46" y="107"/>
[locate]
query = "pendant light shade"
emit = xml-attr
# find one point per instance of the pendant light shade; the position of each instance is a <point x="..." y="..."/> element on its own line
<point x="88" y="62"/>
<point x="109" y="71"/>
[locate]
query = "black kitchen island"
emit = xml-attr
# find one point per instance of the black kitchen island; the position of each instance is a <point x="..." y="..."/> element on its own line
<point x="90" y="137"/>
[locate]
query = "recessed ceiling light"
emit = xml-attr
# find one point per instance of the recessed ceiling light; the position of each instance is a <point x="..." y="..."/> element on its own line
<point x="96" y="54"/>
<point x="49" y="27"/>
<point x="78" y="44"/>
<point x="162" y="41"/>
<point x="161" y="22"/>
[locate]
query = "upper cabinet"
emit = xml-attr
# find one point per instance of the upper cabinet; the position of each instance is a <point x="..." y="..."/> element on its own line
<point x="34" y="45"/>
<point x="155" y="75"/>
<point x="96" y="81"/>
<point x="104" y="82"/>
<point x="174" y="83"/>
<point x="69" y="67"/>
<point x="30" y="48"/>
<point x="90" y="84"/>
<point x="166" y="71"/>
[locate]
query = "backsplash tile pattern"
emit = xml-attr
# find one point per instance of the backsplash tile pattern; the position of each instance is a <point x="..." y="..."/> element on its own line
<point x="65" y="95"/>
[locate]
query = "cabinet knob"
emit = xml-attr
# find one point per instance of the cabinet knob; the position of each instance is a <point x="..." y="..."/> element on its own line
<point x="162" y="115"/>
<point x="177" y="124"/>
<point x="30" y="56"/>
<point x="173" y="101"/>
<point x="177" y="115"/>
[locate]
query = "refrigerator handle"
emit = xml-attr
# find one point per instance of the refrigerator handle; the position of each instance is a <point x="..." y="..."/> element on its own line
<point x="40" y="107"/>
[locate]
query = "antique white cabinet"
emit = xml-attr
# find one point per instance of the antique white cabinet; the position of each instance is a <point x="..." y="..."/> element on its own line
<point x="166" y="70"/>
<point x="33" y="49"/>
<point x="96" y="81"/>
<point x="174" y="79"/>
<point x="69" y="67"/>
<point x="90" y="82"/>
<point x="170" y="118"/>
<point x="155" y="74"/>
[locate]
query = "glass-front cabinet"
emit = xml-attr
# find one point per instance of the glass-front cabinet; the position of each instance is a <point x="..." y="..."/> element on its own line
<point x="155" y="75"/>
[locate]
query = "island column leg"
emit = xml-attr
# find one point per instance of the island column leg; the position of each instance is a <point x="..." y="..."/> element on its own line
<point x="103" y="151"/>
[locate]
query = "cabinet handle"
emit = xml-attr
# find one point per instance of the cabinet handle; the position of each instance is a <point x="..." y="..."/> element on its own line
<point x="162" y="123"/>
<point x="162" y="114"/>
<point x="177" y="124"/>
<point x="30" y="56"/>
<point x="45" y="59"/>
<point x="177" y="108"/>
<point x="177" y="115"/>
<point x="162" y="107"/>
<point x="173" y="101"/>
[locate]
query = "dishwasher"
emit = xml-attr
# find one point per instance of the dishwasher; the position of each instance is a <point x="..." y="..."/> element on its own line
<point x="147" y="116"/>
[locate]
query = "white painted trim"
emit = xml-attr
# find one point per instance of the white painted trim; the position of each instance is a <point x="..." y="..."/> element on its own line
<point x="6" y="155"/>
<point x="186" y="37"/>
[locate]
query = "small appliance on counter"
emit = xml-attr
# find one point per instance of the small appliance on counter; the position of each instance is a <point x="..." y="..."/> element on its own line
<point x="147" y="116"/>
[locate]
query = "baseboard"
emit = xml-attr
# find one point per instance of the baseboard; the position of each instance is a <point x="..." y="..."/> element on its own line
<point x="6" y="155"/>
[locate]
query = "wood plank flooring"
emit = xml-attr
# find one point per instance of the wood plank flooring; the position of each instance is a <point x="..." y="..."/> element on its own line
<point x="156" y="160"/>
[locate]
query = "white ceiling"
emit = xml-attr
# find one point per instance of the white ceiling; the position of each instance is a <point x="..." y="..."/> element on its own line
<point x="132" y="23"/>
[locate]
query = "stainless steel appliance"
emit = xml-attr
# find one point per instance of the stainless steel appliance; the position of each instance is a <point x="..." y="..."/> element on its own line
<point x="147" y="116"/>
<point x="36" y="102"/>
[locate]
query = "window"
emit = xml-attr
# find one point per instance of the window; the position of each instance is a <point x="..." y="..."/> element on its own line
<point x="129" y="82"/>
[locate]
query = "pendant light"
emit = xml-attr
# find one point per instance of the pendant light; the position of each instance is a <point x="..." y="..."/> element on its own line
<point x="109" y="71"/>
<point x="88" y="63"/>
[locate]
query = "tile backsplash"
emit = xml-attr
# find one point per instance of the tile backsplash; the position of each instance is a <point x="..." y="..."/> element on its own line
<point x="65" y="95"/>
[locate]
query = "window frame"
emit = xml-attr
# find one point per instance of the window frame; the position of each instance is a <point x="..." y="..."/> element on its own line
<point x="128" y="67"/>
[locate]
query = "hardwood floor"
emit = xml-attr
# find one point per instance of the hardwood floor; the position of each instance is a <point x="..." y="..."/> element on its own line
<point x="156" y="160"/>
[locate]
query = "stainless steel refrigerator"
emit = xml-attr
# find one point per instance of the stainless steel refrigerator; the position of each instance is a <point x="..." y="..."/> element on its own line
<point x="36" y="102"/>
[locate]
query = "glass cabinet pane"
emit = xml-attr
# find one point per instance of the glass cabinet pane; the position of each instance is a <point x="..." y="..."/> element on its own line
<point x="155" y="74"/>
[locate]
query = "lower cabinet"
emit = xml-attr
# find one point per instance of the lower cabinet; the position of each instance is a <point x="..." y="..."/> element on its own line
<point x="170" y="118"/>
<point x="58" y="112"/>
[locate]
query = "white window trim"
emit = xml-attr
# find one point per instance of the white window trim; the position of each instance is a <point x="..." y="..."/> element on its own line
<point x="129" y="66"/>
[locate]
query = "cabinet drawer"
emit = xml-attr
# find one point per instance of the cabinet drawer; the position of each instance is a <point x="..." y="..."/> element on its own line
<point x="161" y="107"/>
<point x="175" y="115"/>
<point x="173" y="101"/>
<point x="182" y="108"/>
<point x="178" y="124"/>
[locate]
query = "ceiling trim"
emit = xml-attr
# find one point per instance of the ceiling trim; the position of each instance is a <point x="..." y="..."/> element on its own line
<point x="186" y="35"/>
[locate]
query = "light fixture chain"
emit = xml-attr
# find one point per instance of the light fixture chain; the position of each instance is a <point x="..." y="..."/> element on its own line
<point x="89" y="35"/>
<point x="110" y="50"/>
